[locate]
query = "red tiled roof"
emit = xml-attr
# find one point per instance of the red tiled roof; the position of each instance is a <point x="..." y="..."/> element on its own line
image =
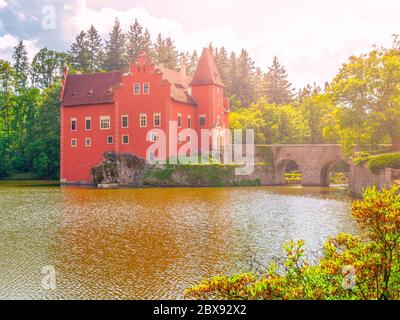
<point x="207" y="71"/>
<point x="97" y="88"/>
<point x="86" y="89"/>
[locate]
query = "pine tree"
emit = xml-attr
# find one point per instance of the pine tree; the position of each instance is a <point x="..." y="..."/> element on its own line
<point x="21" y="65"/>
<point x="245" y="85"/>
<point x="171" y="54"/>
<point x="165" y="52"/>
<point x="159" y="49"/>
<point x="115" y="49"/>
<point x="222" y="61"/>
<point x="184" y="60"/>
<point x="147" y="44"/>
<point x="259" y="84"/>
<point x="135" y="41"/>
<point x="232" y="79"/>
<point x="79" y="53"/>
<point x="194" y="60"/>
<point x="278" y="88"/>
<point x="95" y="50"/>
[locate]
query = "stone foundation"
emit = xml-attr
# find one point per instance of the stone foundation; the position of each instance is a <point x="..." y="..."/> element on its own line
<point x="361" y="178"/>
<point x="126" y="170"/>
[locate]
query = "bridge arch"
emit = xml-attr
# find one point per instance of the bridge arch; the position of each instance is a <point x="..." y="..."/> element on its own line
<point x="326" y="169"/>
<point x="314" y="161"/>
<point x="281" y="169"/>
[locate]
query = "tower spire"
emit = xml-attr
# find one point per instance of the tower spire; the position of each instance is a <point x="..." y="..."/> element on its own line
<point x="207" y="72"/>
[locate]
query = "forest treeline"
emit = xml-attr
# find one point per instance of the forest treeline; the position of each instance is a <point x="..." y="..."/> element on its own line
<point x="360" y="106"/>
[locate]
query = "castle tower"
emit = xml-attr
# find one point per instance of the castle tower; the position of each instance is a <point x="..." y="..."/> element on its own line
<point x="208" y="91"/>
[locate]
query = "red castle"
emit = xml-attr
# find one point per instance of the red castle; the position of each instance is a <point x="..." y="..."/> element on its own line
<point x="114" y="111"/>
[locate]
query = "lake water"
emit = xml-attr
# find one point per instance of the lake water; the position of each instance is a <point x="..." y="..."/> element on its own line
<point x="152" y="243"/>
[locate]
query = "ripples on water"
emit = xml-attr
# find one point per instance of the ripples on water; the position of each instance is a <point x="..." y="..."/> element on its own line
<point x="152" y="243"/>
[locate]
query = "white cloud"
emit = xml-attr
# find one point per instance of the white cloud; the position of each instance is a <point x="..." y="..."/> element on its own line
<point x="311" y="38"/>
<point x="8" y="42"/>
<point x="103" y="20"/>
<point x="3" y="4"/>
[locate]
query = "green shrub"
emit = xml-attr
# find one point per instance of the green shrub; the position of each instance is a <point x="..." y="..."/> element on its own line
<point x="351" y="267"/>
<point x="390" y="160"/>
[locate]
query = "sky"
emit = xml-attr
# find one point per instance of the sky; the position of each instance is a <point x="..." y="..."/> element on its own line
<point x="312" y="38"/>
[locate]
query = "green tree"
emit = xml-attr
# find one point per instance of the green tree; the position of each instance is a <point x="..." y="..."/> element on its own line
<point x="278" y="87"/>
<point x="135" y="41"/>
<point x="367" y="94"/>
<point x="316" y="110"/>
<point x="194" y="60"/>
<point x="44" y="147"/>
<point x="47" y="67"/>
<point x="272" y="123"/>
<point x="21" y="65"/>
<point x="22" y="126"/>
<point x="245" y="82"/>
<point x="233" y="76"/>
<point x="79" y="53"/>
<point x="165" y="52"/>
<point x="95" y="50"/>
<point x="7" y="78"/>
<point x="222" y="61"/>
<point x="115" y="49"/>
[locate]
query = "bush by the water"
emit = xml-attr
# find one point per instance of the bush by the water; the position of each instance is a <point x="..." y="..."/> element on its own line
<point x="352" y="267"/>
<point x="390" y="160"/>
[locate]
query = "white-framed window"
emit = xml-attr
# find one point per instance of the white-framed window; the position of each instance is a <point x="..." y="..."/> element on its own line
<point x="143" y="120"/>
<point x="136" y="89"/>
<point x="110" y="140"/>
<point x="105" y="123"/>
<point x="146" y="88"/>
<point x="125" y="139"/>
<point x="74" y="124"/>
<point x="202" y="120"/>
<point x="218" y="120"/>
<point x="179" y="120"/>
<point x="157" y="119"/>
<point x="88" y="123"/>
<point x="88" y="142"/>
<point x="152" y="156"/>
<point x="153" y="136"/>
<point x="124" y="121"/>
<point x="218" y="90"/>
<point x="189" y="121"/>
<point x="188" y="138"/>
<point x="74" y="143"/>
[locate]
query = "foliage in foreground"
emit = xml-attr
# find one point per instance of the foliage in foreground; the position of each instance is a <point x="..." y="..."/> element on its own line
<point x="351" y="267"/>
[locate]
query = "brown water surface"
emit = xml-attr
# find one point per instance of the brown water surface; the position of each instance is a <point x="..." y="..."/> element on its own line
<point x="151" y="243"/>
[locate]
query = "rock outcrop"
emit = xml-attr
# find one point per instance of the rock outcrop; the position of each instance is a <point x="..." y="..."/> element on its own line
<point x="120" y="169"/>
<point x="126" y="170"/>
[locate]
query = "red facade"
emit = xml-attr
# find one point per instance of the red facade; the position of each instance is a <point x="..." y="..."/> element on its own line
<point x="115" y="111"/>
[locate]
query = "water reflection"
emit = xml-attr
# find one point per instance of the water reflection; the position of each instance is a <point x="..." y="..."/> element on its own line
<point x="152" y="243"/>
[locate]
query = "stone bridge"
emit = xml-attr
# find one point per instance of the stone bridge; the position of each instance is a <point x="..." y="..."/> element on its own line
<point x="314" y="161"/>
